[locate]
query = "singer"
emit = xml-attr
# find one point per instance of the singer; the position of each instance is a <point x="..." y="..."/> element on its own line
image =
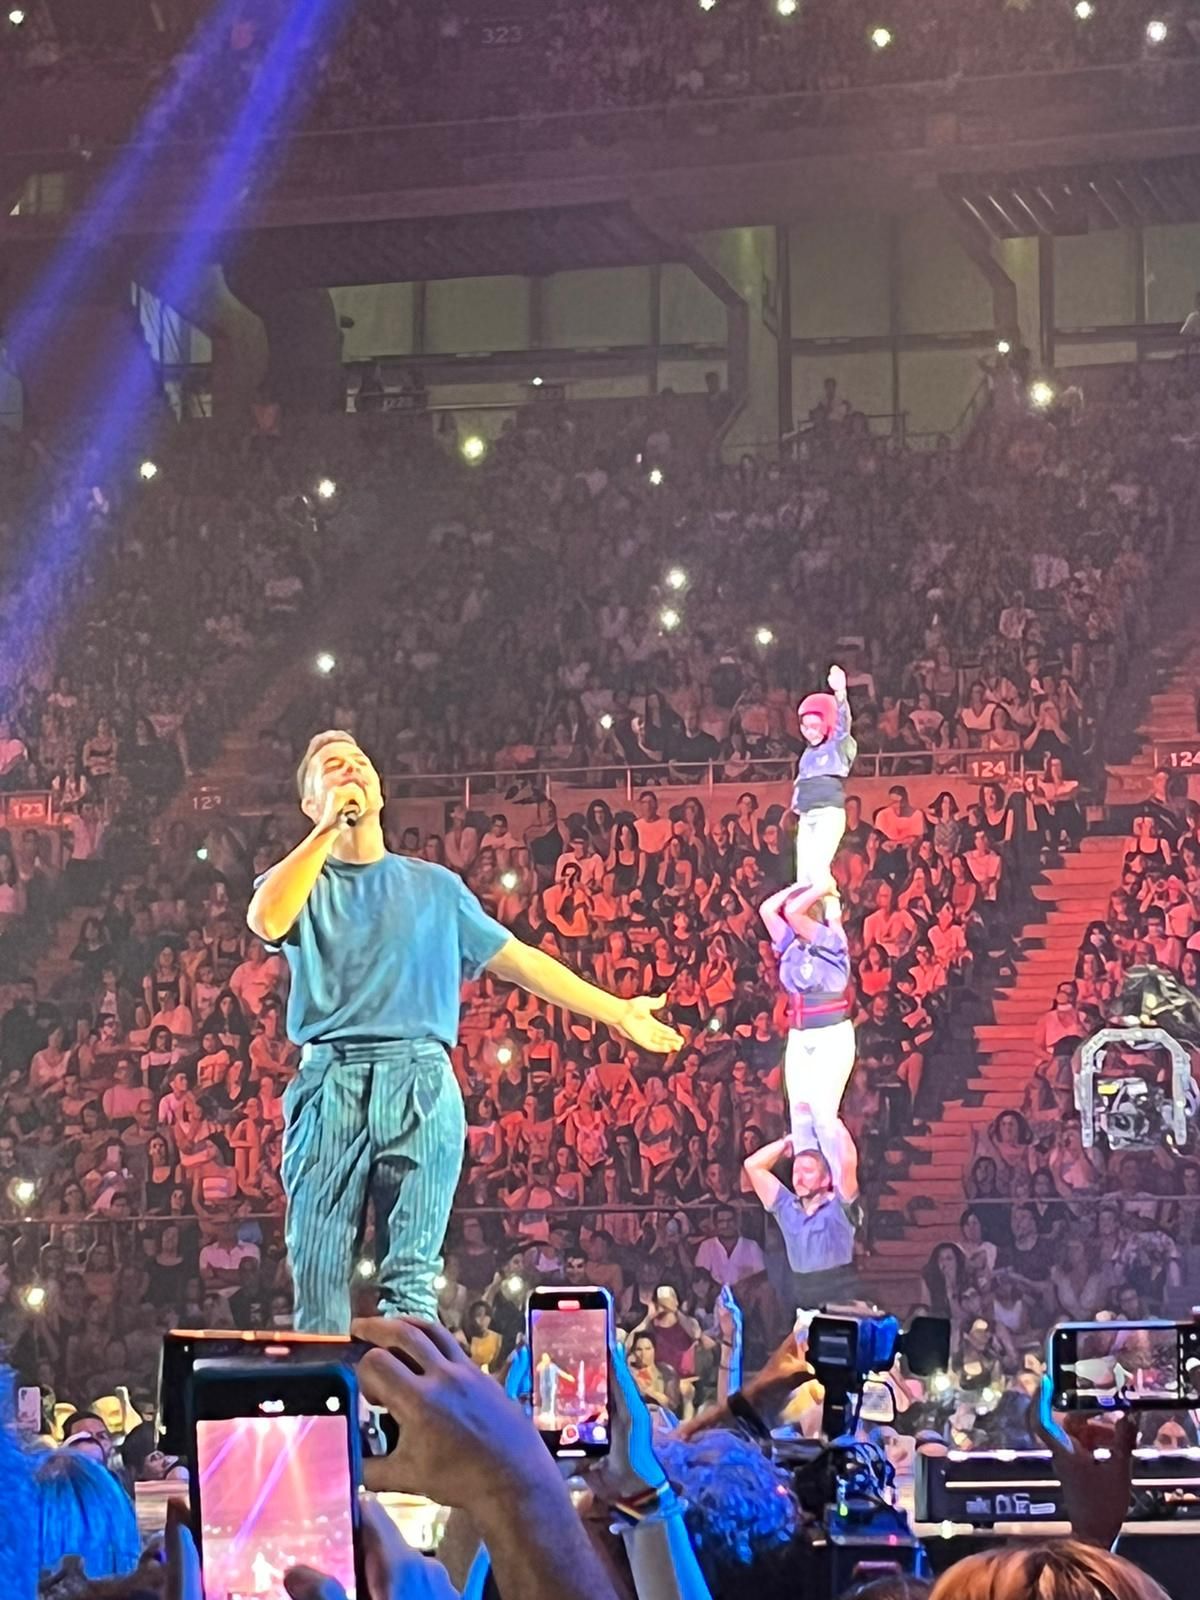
<point x="377" y="945"/>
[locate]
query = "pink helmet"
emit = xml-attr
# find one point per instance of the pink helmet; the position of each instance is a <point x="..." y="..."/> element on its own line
<point x="823" y="706"/>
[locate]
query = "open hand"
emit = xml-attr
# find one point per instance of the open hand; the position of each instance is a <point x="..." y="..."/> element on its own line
<point x="462" y="1440"/>
<point x="641" y="1027"/>
<point x="1097" y="1490"/>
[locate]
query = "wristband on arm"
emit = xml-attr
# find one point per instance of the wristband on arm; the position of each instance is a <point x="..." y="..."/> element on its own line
<point x="650" y="1505"/>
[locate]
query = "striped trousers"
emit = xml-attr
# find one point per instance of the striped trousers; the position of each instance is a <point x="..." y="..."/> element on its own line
<point x="373" y="1127"/>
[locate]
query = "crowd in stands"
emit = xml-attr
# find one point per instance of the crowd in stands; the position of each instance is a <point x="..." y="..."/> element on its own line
<point x="982" y="599"/>
<point x="148" y="1084"/>
<point x="1052" y="1229"/>
<point x="394" y="61"/>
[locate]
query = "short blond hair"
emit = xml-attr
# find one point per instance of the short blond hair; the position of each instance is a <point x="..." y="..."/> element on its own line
<point x="315" y="745"/>
<point x="1059" y="1569"/>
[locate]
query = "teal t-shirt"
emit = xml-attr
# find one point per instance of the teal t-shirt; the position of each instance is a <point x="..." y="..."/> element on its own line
<point x="380" y="952"/>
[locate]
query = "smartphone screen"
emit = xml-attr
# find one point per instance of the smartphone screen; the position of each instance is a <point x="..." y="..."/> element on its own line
<point x="274" y="1479"/>
<point x="568" y="1354"/>
<point x="1100" y="1366"/>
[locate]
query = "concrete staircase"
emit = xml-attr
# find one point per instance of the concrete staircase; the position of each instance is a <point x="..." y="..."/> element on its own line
<point x="1171" y="716"/>
<point x="929" y="1195"/>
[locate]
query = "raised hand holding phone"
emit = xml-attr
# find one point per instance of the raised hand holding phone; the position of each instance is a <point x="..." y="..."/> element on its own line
<point x="632" y="1472"/>
<point x="461" y="1437"/>
<point x="1097" y="1488"/>
<point x="463" y="1442"/>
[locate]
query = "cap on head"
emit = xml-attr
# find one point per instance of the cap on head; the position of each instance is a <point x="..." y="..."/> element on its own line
<point x="316" y="744"/>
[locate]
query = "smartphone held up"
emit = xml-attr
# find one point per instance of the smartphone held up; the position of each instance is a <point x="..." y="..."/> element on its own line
<point x="569" y="1332"/>
<point x="276" y="1468"/>
<point x="1130" y="1366"/>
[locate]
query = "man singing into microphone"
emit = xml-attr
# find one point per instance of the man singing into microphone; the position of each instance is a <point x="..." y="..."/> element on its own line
<point x="377" y="945"/>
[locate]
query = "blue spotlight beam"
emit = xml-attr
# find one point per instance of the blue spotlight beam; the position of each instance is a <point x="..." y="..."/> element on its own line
<point x="30" y="322"/>
<point x="119" y="398"/>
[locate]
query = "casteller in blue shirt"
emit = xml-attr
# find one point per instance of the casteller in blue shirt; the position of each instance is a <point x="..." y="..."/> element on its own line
<point x="815" y="1241"/>
<point x="380" y="950"/>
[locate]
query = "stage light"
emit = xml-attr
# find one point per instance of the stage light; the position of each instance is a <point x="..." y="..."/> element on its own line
<point x="324" y="663"/>
<point x="326" y="489"/>
<point x="148" y="471"/>
<point x="22" y="1191"/>
<point x="509" y="880"/>
<point x="473" y="448"/>
<point x="33" y="1297"/>
<point x="880" y="37"/>
<point x="764" y="637"/>
<point x="536" y="382"/>
<point x="1041" y="393"/>
<point x="16" y="16"/>
<point x="656" y="476"/>
<point x="707" y="5"/>
<point x="201" y="852"/>
<point x="365" y="1268"/>
<point x="1084" y="10"/>
<point x="668" y="618"/>
<point x="676" y="579"/>
<point x="1002" y="347"/>
<point x="606" y="720"/>
<point x="504" y="1055"/>
<point x="786" y="8"/>
<point x="1156" y="30"/>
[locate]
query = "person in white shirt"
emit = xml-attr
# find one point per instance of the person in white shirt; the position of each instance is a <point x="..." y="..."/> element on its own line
<point x="729" y="1256"/>
<point x="581" y="855"/>
<point x="653" y="831"/>
<point x="221" y="1257"/>
<point x="12" y="750"/>
<point x="258" y="976"/>
<point x="500" y="838"/>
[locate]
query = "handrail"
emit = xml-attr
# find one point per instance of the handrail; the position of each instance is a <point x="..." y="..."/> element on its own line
<point x="978" y="766"/>
<point x="903" y="89"/>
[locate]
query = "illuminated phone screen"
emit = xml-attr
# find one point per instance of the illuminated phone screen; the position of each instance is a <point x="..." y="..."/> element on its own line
<point x="275" y="1493"/>
<point x="569" y="1356"/>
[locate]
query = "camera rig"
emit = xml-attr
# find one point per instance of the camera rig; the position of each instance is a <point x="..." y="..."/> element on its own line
<point x="1145" y="1099"/>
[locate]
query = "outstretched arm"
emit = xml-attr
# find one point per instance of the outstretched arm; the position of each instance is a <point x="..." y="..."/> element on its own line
<point x="549" y="980"/>
<point x="758" y="1169"/>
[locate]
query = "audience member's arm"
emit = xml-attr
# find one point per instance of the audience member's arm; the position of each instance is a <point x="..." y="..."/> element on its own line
<point x="768" y="1392"/>
<point x="657" y="1542"/>
<point x="464" y="1443"/>
<point x="757" y="1168"/>
<point x="1097" y="1489"/>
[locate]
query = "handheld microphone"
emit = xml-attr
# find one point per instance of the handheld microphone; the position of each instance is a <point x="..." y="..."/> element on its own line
<point x="351" y="814"/>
